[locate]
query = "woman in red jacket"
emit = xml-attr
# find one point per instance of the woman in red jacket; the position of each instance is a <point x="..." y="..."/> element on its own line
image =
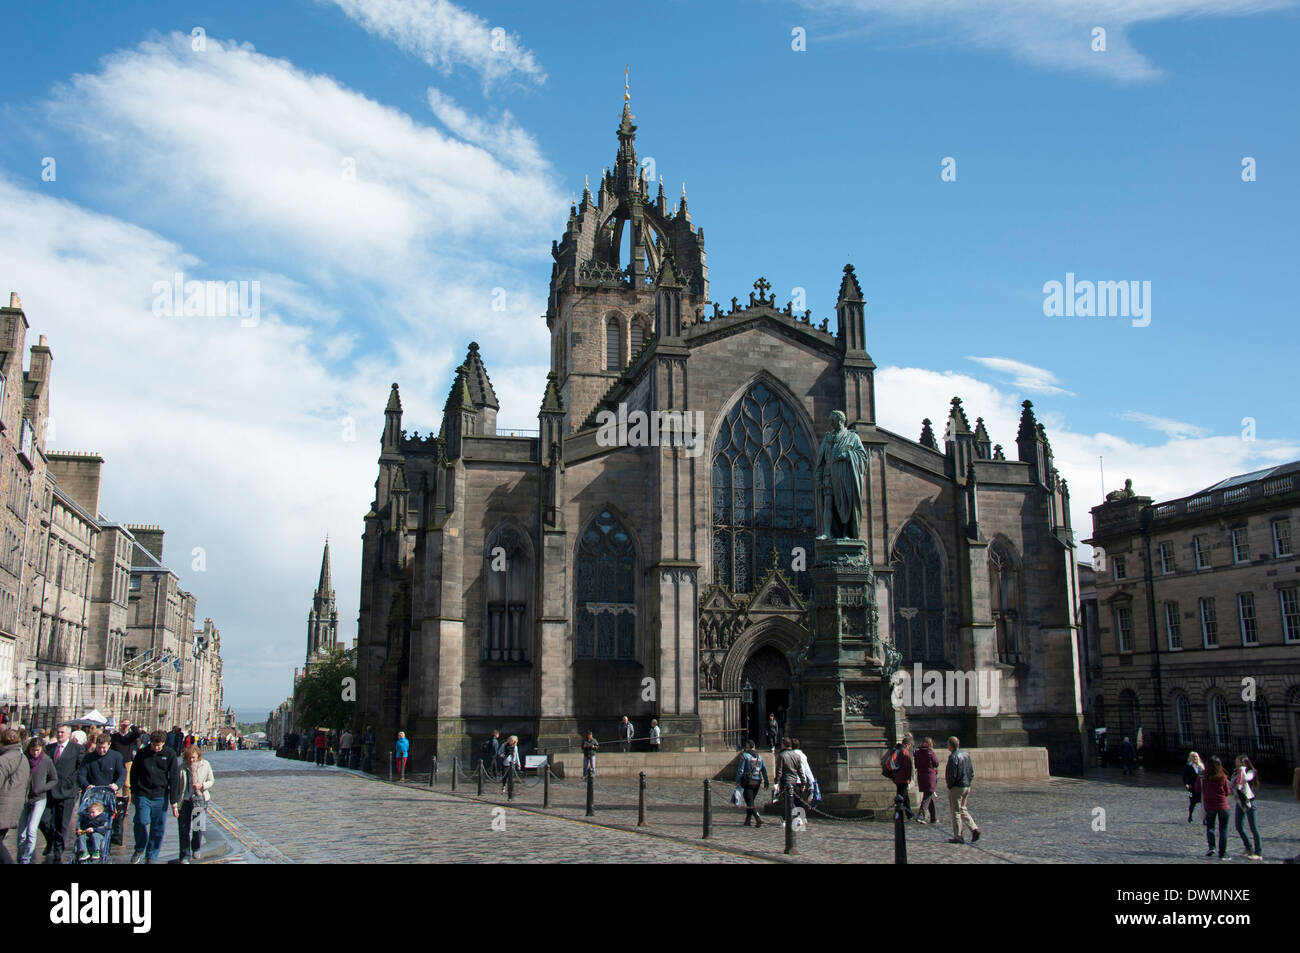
<point x="1215" y="791"/>
<point x="927" y="775"/>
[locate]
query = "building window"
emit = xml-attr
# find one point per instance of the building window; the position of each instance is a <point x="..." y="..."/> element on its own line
<point x="762" y="491"/>
<point x="1246" y="613"/>
<point x="918" y="595"/>
<point x="637" y="339"/>
<point x="1261" y="722"/>
<point x="605" y="582"/>
<point x="1183" y="713"/>
<point x="1166" y="558"/>
<point x="1209" y="623"/>
<point x="1173" y="627"/>
<point x="1202" y="552"/>
<point x="1124" y="628"/>
<point x="1281" y="537"/>
<point x="613" y="345"/>
<point x="1240" y="546"/>
<point x="1118" y="564"/>
<point x="1220" y="719"/>
<point x="1004" y="592"/>
<point x="508" y="625"/>
<point x="1128" y="715"/>
<point x="1290" y="603"/>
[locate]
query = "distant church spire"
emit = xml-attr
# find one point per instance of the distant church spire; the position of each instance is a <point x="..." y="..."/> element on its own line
<point x="323" y="620"/>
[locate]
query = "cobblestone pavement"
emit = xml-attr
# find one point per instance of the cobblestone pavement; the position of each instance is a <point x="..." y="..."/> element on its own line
<point x="277" y="807"/>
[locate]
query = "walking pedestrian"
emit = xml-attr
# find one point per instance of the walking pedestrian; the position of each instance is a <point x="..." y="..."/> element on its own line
<point x="1192" y="770"/>
<point x="654" y="735"/>
<point x="192" y="812"/>
<point x="509" y="759"/>
<point x="15" y="775"/>
<point x="625" y="733"/>
<point x="749" y="775"/>
<point x="589" y="748"/>
<point x="959" y="774"/>
<point x="40" y="783"/>
<point x="126" y="742"/>
<point x="401" y="748"/>
<point x="1215" y="791"/>
<point x="155" y="783"/>
<point x="773" y="732"/>
<point x="1128" y="755"/>
<point x="62" y="799"/>
<point x="926" y="764"/>
<point x="175" y="739"/>
<point x="490" y="753"/>
<point x="103" y="766"/>
<point x="345" y="748"/>
<point x="320" y="743"/>
<point x="1243" y="776"/>
<point x="369" y="741"/>
<point x="789" y="771"/>
<point x="901" y="762"/>
<point x="810" y="792"/>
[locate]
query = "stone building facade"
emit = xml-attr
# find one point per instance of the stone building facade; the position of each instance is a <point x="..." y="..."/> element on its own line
<point x="1199" y="609"/>
<point x="607" y="567"/>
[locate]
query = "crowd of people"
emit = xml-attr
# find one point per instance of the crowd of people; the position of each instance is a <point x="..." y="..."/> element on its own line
<point x="76" y="788"/>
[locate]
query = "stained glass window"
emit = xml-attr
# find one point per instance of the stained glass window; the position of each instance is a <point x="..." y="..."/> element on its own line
<point x="605" y="586"/>
<point x="1004" y="596"/>
<point x="918" y="596"/>
<point x="762" y="492"/>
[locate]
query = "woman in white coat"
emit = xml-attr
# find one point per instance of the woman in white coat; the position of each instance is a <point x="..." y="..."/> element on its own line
<point x="191" y="812"/>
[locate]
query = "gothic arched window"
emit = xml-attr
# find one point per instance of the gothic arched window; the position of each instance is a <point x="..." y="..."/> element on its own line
<point x="762" y="491"/>
<point x="1220" y="719"/>
<point x="613" y="345"/>
<point x="918" y="595"/>
<point x="1004" y="597"/>
<point x="1183" y="711"/>
<point x="637" y="339"/>
<point x="509" y="580"/>
<point x="605" y="587"/>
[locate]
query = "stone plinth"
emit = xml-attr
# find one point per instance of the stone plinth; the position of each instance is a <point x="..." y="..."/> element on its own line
<point x="849" y="719"/>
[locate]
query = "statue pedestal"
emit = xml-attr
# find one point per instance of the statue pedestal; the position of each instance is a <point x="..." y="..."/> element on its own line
<point x="849" y="718"/>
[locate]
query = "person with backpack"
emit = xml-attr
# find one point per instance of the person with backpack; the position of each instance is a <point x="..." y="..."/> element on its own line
<point x="810" y="793"/>
<point x="789" y="770"/>
<point x="959" y="774"/>
<point x="589" y="748"/>
<point x="1191" y="771"/>
<point x="1215" y="790"/>
<point x="490" y="752"/>
<point x="749" y="775"/>
<point x="899" y="767"/>
<point x="1243" y="776"/>
<point x="926" y="763"/>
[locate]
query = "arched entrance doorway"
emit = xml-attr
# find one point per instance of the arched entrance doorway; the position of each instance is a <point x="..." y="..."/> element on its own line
<point x="765" y="684"/>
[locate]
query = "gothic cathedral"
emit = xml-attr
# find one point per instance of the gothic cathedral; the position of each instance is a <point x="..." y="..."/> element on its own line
<point x="546" y="585"/>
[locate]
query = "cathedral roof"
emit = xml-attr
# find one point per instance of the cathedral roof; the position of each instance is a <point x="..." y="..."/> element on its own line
<point x="459" y="398"/>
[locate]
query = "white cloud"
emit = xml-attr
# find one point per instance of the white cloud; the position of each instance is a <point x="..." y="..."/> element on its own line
<point x="1027" y="377"/>
<point x="1173" y="429"/>
<point x="1182" y="464"/>
<point x="1055" y="34"/>
<point x="445" y="36"/>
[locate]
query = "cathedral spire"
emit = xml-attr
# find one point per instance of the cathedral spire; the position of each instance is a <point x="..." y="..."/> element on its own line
<point x="325" y="587"/>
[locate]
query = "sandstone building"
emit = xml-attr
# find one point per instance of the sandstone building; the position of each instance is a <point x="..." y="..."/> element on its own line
<point x="550" y="584"/>
<point x="1199" y="610"/>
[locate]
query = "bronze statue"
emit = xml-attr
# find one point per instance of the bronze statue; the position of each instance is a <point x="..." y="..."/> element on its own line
<point x="841" y="461"/>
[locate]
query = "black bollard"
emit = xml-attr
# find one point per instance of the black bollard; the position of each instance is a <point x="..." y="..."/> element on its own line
<point x="510" y="781"/>
<point x="433" y="770"/>
<point x="708" y="811"/>
<point x="455" y="769"/>
<point x="546" y="782"/>
<point x="900" y="832"/>
<point x="591" y="795"/>
<point x="790" y="847"/>
<point x="480" y="777"/>
<point x="640" y="806"/>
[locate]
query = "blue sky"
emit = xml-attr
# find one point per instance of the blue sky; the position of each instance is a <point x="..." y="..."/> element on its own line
<point x="226" y="163"/>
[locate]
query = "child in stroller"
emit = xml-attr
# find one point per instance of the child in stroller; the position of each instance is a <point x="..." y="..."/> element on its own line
<point x="94" y="823"/>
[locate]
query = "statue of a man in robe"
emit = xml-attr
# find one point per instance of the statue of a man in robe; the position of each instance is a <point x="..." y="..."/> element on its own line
<point x="841" y="461"/>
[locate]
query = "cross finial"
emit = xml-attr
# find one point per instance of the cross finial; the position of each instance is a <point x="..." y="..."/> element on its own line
<point x="761" y="286"/>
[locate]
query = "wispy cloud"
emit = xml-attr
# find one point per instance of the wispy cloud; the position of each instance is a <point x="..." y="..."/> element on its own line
<point x="1026" y="377"/>
<point x="446" y="36"/>
<point x="1173" y="429"/>
<point x="1054" y="34"/>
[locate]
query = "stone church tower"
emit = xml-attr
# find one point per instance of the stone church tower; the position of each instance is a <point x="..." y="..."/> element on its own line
<point x="551" y="584"/>
<point x="323" y="620"/>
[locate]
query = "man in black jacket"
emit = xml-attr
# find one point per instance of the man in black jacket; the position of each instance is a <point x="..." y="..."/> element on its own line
<point x="155" y="786"/>
<point x="126" y="742"/>
<point x="103" y="766"/>
<point x="66" y="755"/>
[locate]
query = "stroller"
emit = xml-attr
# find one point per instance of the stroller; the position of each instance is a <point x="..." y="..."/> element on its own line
<point x="106" y="797"/>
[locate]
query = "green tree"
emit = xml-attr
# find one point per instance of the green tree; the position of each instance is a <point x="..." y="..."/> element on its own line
<point x="324" y="696"/>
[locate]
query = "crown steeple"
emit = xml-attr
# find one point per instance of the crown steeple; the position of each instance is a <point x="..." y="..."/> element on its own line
<point x="323" y="620"/>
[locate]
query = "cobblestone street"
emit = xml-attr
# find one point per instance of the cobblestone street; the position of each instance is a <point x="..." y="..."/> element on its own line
<point x="291" y="811"/>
